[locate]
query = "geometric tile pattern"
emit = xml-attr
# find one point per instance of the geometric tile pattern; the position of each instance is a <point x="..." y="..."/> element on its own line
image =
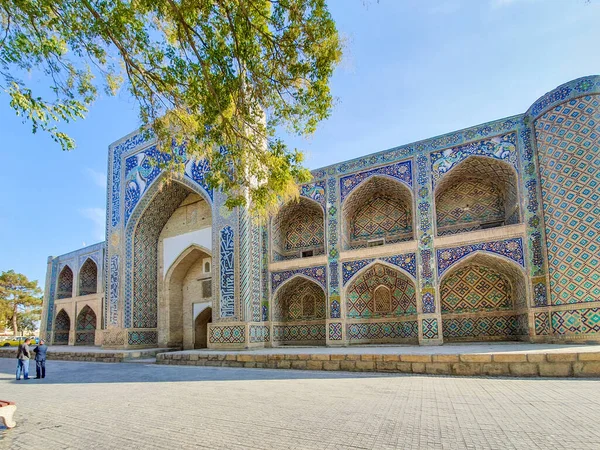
<point x="430" y="328"/>
<point x="299" y="299"/>
<point x="467" y="202"/>
<point x="306" y="231"/>
<point x="396" y="154"/>
<point x="568" y="139"/>
<point x="315" y="333"/>
<point x="401" y="171"/>
<point x="317" y="273"/>
<point x="142" y="338"/>
<point x="85" y="327"/>
<point x="360" y="297"/>
<point x="500" y="147"/>
<point x="522" y="325"/>
<point x="65" y="283"/>
<point x="256" y="270"/>
<point x="333" y="251"/>
<point x="509" y="248"/>
<point x="473" y="289"/>
<point x="477" y="190"/>
<point x="381" y="217"/>
<point x="383" y="330"/>
<point x="62" y="325"/>
<point x="225" y="334"/>
<point x="405" y="262"/>
<point x="580" y="321"/>
<point x="542" y="324"/>
<point x="259" y="333"/>
<point x="88" y="278"/>
<point x="335" y="331"/>
<point x="380" y="207"/>
<point x="145" y="254"/>
<point x="50" y="297"/>
<point x="264" y="274"/>
<point x="299" y="225"/>
<point x="479" y="327"/>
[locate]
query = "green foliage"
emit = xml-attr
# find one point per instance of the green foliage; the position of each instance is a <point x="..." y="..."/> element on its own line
<point x="20" y="300"/>
<point x="206" y="74"/>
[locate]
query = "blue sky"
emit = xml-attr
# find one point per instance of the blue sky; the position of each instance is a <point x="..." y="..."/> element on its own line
<point x="412" y="69"/>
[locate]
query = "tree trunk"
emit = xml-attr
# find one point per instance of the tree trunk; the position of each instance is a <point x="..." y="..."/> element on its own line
<point x="14" y="320"/>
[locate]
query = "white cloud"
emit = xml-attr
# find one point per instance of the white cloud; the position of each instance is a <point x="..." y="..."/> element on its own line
<point x="98" y="218"/>
<point x="98" y="178"/>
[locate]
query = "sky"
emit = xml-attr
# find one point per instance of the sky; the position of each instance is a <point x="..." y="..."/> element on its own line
<point x="412" y="69"/>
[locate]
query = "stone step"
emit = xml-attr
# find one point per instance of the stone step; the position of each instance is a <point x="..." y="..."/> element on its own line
<point x="140" y="360"/>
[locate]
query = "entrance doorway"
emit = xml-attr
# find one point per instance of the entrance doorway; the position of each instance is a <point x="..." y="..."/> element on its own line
<point x="201" y="328"/>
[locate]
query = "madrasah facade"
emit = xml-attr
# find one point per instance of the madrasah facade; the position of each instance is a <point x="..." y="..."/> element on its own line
<point x="490" y="233"/>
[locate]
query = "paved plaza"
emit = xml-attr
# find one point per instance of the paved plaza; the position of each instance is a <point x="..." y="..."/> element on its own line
<point x="137" y="405"/>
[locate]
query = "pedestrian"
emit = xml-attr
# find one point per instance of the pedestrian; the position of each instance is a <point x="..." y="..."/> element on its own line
<point x="23" y="356"/>
<point x="40" y="359"/>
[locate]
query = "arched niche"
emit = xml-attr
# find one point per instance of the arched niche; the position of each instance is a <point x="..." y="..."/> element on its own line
<point x="298" y="230"/>
<point x="186" y="283"/>
<point x="85" y="326"/>
<point x="299" y="313"/>
<point x="380" y="291"/>
<point x="65" y="283"/>
<point x="201" y="328"/>
<point x="378" y="211"/>
<point x="88" y="278"/>
<point x="483" y="297"/>
<point x="478" y="193"/>
<point x="163" y="200"/>
<point x="62" y="326"/>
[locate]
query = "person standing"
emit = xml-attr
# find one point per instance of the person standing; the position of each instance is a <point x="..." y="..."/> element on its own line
<point x="23" y="356"/>
<point x="40" y="359"/>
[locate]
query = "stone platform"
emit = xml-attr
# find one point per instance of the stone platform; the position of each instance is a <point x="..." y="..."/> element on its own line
<point x="497" y="359"/>
<point x="92" y="354"/>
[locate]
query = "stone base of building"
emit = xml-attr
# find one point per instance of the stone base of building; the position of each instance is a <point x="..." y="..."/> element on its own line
<point x="91" y="354"/>
<point x="495" y="362"/>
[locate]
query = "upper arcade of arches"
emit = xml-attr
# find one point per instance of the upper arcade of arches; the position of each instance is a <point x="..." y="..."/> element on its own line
<point x="379" y="209"/>
<point x="298" y="230"/>
<point x="65" y="283"/>
<point x="478" y="193"/>
<point x="88" y="278"/>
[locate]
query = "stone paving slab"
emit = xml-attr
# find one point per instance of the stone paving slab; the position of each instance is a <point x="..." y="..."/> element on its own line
<point x="117" y="406"/>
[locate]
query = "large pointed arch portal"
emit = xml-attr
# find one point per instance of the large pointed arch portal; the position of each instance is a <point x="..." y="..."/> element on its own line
<point x="144" y="292"/>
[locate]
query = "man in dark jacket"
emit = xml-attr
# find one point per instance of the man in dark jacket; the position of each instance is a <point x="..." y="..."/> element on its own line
<point x="40" y="359"/>
<point x="23" y="356"/>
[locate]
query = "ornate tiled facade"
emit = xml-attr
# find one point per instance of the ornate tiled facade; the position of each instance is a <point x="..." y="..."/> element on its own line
<point x="396" y="297"/>
<point x="487" y="233"/>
